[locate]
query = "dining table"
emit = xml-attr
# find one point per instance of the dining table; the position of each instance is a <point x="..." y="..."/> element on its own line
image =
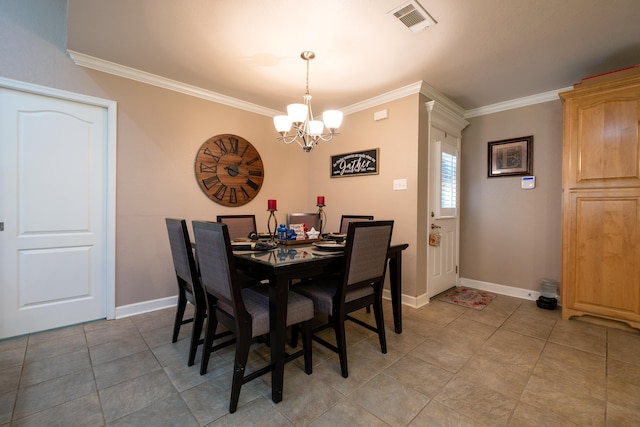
<point x="286" y="263"/>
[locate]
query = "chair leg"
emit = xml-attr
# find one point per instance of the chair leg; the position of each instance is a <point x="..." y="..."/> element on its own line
<point x="306" y="336"/>
<point x="240" y="364"/>
<point x="209" y="335"/>
<point x="182" y="304"/>
<point x="341" y="344"/>
<point x="377" y="310"/>
<point x="196" y="331"/>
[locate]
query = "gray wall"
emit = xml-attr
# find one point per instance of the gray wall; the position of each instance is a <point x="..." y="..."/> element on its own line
<point x="511" y="236"/>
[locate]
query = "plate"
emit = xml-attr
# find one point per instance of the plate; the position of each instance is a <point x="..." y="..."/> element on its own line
<point x="335" y="237"/>
<point x="329" y="246"/>
<point x="253" y="246"/>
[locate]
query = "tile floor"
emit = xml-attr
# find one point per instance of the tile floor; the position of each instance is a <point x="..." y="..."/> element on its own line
<point x="509" y="364"/>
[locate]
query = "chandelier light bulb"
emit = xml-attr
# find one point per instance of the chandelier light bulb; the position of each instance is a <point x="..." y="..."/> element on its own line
<point x="306" y="131"/>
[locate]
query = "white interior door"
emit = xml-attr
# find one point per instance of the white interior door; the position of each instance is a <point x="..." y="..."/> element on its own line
<point x="53" y="210"/>
<point x="442" y="262"/>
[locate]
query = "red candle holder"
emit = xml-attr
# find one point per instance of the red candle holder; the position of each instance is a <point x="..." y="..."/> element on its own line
<point x="320" y="201"/>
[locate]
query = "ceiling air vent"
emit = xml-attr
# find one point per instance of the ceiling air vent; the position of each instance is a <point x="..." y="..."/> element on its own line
<point x="413" y="16"/>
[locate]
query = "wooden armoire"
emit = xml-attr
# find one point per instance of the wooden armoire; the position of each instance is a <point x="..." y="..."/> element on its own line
<point x="601" y="198"/>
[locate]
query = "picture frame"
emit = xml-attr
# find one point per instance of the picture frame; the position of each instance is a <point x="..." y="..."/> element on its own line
<point x="365" y="162"/>
<point x="511" y="157"/>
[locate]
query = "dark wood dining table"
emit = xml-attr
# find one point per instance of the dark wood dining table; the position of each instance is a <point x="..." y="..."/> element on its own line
<point x="286" y="263"/>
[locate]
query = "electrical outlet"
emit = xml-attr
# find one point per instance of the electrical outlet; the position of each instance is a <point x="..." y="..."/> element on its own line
<point x="400" y="184"/>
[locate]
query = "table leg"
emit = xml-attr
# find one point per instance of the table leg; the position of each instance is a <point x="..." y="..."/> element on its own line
<point x="395" y="282"/>
<point x="278" y="296"/>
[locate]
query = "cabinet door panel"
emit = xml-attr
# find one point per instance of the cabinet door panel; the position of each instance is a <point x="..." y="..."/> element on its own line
<point x="604" y="254"/>
<point x="602" y="140"/>
<point x="608" y="141"/>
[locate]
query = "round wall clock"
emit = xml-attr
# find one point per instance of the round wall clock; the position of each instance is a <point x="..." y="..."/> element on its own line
<point x="229" y="170"/>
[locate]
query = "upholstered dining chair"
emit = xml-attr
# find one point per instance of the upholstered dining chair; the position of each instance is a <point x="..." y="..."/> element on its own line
<point x="357" y="286"/>
<point x="189" y="286"/>
<point x="239" y="225"/>
<point x="345" y="220"/>
<point x="244" y="311"/>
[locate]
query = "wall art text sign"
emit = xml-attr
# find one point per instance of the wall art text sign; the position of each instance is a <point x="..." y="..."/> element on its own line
<point x="356" y="163"/>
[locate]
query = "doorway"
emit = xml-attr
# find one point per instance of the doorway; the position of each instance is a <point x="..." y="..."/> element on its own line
<point x="57" y="208"/>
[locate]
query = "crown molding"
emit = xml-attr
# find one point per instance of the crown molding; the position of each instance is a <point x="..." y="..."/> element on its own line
<point x="421" y="87"/>
<point x="539" y="98"/>
<point x="108" y="67"/>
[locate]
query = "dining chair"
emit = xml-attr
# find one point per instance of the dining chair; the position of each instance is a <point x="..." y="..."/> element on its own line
<point x="358" y="285"/>
<point x="244" y="311"/>
<point x="345" y="220"/>
<point x="189" y="286"/>
<point x="239" y="225"/>
<point x="310" y="219"/>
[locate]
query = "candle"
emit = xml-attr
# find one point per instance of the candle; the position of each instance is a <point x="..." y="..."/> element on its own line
<point x="271" y="205"/>
<point x="320" y="200"/>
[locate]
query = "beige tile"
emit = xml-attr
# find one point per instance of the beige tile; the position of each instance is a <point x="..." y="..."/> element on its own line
<point x="624" y="346"/>
<point x="450" y="356"/>
<point x="623" y="416"/>
<point x="496" y="312"/>
<point x="556" y="397"/>
<point x="529" y="416"/>
<point x="84" y="411"/>
<point x="305" y="400"/>
<point x="210" y="400"/>
<point x="390" y="400"/>
<point x="56" y="347"/>
<point x="532" y="321"/>
<point x="464" y="330"/>
<point x="7" y="403"/>
<point x="512" y="347"/>
<point x="133" y="395"/>
<point x="435" y="414"/>
<point x="347" y="413"/>
<point x="623" y="385"/>
<point x="119" y="331"/>
<point x="53" y="392"/>
<point x="583" y="336"/>
<point x="499" y="376"/>
<point x="258" y="412"/>
<point x="125" y="368"/>
<point x="478" y="402"/>
<point x="576" y="371"/>
<point x="420" y="375"/>
<point x="440" y="313"/>
<point x="54" y="334"/>
<point x="41" y="370"/>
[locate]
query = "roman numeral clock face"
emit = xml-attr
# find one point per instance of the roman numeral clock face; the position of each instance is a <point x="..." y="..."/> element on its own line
<point x="229" y="170"/>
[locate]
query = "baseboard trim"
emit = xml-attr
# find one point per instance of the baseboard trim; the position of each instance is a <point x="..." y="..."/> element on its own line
<point x="146" y="306"/>
<point x="411" y="301"/>
<point x="500" y="289"/>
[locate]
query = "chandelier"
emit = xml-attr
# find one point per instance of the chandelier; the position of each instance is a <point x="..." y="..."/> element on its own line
<point x="306" y="131"/>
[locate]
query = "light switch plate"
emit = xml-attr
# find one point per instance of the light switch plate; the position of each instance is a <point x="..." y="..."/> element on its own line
<point x="400" y="184"/>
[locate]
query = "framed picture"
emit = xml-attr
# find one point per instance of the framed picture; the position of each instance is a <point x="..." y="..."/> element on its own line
<point x="511" y="157"/>
<point x="356" y="163"/>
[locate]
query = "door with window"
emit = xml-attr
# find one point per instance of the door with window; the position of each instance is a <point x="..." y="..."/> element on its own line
<point x="442" y="254"/>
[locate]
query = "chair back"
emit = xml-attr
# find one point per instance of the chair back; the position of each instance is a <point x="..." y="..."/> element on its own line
<point x="366" y="252"/>
<point x="183" y="258"/>
<point x="239" y="226"/>
<point x="310" y="219"/>
<point x="345" y="220"/>
<point x="217" y="268"/>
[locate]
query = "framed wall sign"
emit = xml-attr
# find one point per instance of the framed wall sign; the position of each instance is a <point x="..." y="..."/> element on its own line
<point x="511" y="157"/>
<point x="356" y="163"/>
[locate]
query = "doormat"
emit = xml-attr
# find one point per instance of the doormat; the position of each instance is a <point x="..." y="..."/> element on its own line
<point x="467" y="297"/>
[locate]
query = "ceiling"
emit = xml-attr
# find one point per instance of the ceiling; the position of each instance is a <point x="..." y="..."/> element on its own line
<point x="479" y="53"/>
